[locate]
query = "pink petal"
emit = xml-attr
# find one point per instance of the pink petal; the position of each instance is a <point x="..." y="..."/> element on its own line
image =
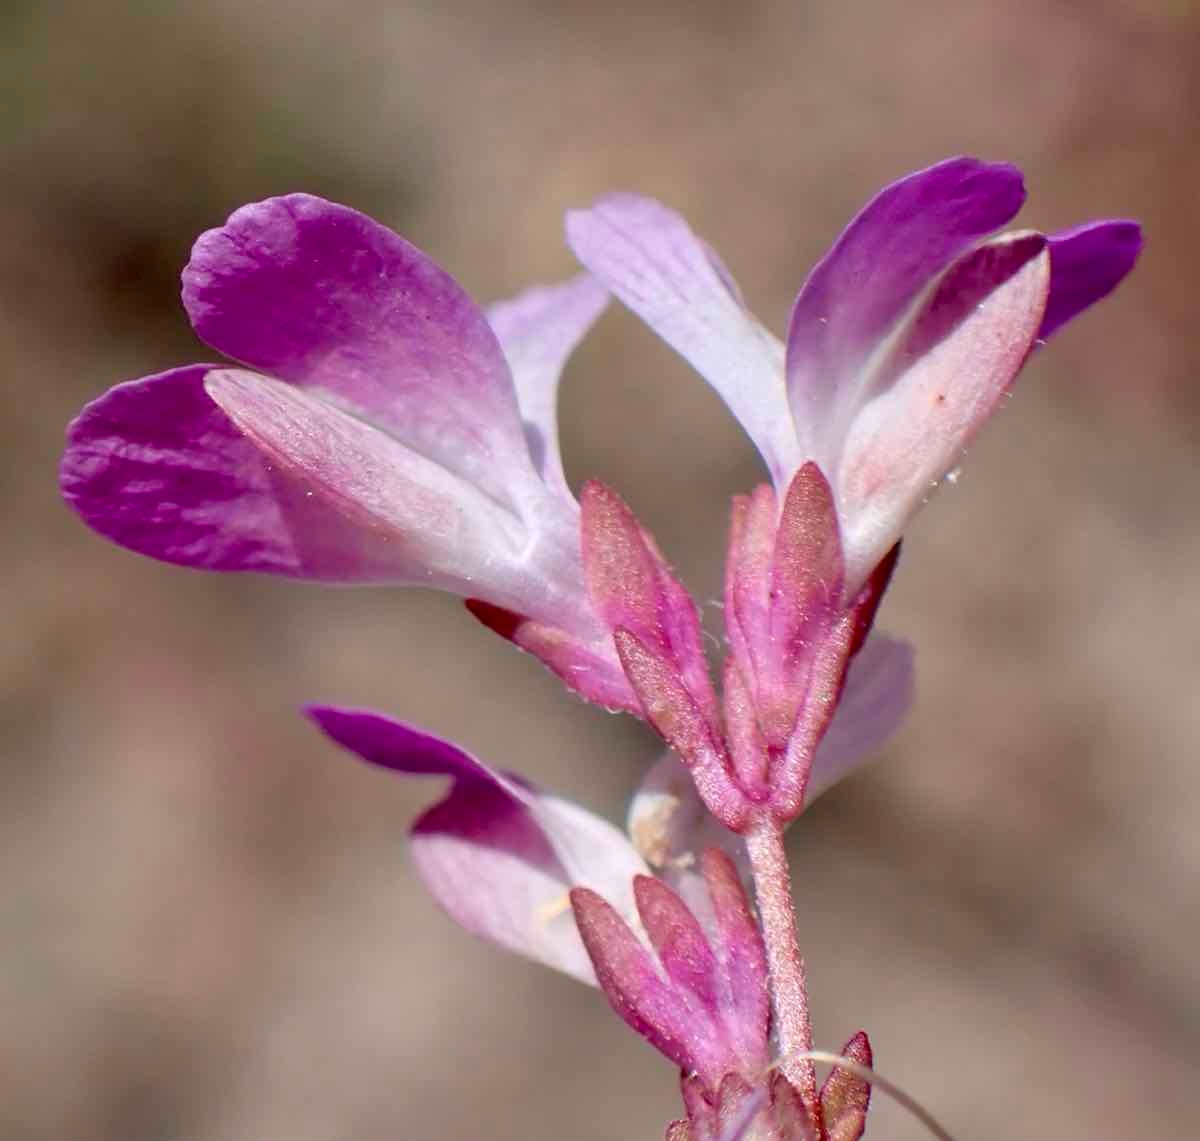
<point x="1087" y="263"/>
<point x="394" y="453"/>
<point x="538" y="330"/>
<point x="897" y="244"/>
<point x="324" y="297"/>
<point x="443" y="531"/>
<point x="156" y="466"/>
<point x="498" y="855"/>
<point x="943" y="375"/>
<point x="651" y="260"/>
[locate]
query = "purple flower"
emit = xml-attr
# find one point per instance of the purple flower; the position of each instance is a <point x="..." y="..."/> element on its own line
<point x="901" y="344"/>
<point x="679" y="956"/>
<point x="387" y="430"/>
<point x="500" y="855"/>
<point x="390" y="432"/>
<point x="384" y="430"/>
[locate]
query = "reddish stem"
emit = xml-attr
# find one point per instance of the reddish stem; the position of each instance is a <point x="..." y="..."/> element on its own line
<point x="789" y="990"/>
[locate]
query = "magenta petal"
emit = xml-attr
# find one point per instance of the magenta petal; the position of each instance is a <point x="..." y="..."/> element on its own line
<point x="538" y="330"/>
<point x="897" y="244"/>
<point x="499" y="856"/>
<point x="651" y="260"/>
<point x="319" y="295"/>
<point x="156" y="466"/>
<point x="1087" y="263"/>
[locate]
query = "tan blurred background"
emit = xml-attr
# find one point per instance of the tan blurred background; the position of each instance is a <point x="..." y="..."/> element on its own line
<point x="210" y="929"/>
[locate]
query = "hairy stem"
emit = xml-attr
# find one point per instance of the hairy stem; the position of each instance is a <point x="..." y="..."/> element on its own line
<point x="789" y="990"/>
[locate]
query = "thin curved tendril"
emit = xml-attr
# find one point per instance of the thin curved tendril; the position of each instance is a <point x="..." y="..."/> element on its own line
<point x="872" y="1078"/>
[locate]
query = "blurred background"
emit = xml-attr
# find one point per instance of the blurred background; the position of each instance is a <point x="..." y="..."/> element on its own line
<point x="210" y="928"/>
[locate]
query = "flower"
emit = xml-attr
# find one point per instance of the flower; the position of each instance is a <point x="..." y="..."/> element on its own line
<point x="385" y="430"/>
<point x="388" y="430"/>
<point x="902" y="342"/>
<point x="679" y="956"/>
<point x="500" y="855"/>
<point x="497" y="854"/>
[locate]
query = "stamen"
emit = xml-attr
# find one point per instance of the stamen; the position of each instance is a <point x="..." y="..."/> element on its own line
<point x="551" y="911"/>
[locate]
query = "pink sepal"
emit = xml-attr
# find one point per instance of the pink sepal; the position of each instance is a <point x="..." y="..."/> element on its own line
<point x="703" y="1002"/>
<point x="666" y="1016"/>
<point x="632" y="588"/>
<point x="678" y="939"/>
<point x="743" y="960"/>
<point x="805" y="601"/>
<point x="791" y="633"/>
<point x="656" y="631"/>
